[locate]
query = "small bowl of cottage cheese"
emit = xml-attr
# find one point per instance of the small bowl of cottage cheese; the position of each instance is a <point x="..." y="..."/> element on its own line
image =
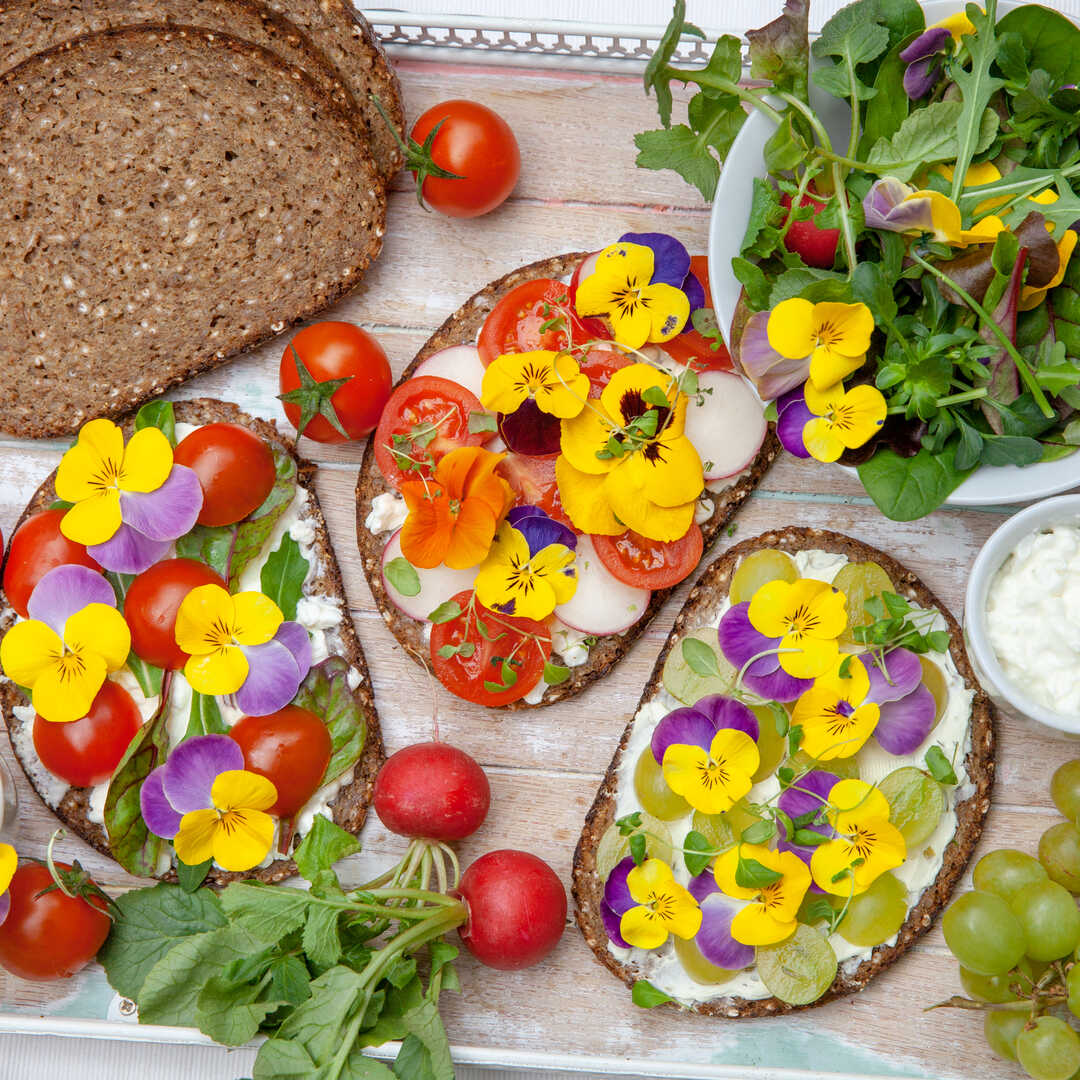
<point x="1022" y="613"/>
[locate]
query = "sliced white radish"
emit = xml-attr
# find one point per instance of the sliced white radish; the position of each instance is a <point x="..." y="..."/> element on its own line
<point x="459" y="363"/>
<point x="584" y="269"/>
<point x="602" y="604"/>
<point x="728" y="428"/>
<point x="436" y="585"/>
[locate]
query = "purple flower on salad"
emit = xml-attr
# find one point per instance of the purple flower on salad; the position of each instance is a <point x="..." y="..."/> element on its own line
<point x="924" y="58"/>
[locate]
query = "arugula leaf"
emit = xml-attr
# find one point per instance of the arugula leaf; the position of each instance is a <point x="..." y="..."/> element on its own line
<point x="851" y="37"/>
<point x="158" y="414"/>
<point x="657" y="78"/>
<point x="326" y="692"/>
<point x="905" y="489"/>
<point x="929" y="135"/>
<point x="283" y="575"/>
<point x="644" y="995"/>
<point x="753" y="280"/>
<point x="205" y="717"/>
<point x="324" y="845"/>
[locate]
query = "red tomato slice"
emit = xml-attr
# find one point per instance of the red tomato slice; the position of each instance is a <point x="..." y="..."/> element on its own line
<point x="417" y="407"/>
<point x="600" y="365"/>
<point x="524" y="643"/>
<point x="690" y="347"/>
<point x="534" y="484"/>
<point x="650" y="564"/>
<point x="515" y="322"/>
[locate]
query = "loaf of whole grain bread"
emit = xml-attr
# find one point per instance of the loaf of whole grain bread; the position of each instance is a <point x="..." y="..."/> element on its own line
<point x="172" y="196"/>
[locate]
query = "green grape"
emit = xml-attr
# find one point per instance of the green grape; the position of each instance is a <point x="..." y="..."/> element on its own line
<point x="983" y="933"/>
<point x="740" y="817"/>
<point x="651" y="788"/>
<point x="916" y="803"/>
<point x="771" y="744"/>
<point x="1050" y="919"/>
<point x="1065" y="789"/>
<point x="613" y="848"/>
<point x="1001" y="1028"/>
<point x="696" y="966"/>
<point x="716" y="829"/>
<point x="803" y="914"/>
<point x="759" y="568"/>
<point x="1059" y="852"/>
<point x="998" y="988"/>
<point x="1072" y="987"/>
<point x="844" y="768"/>
<point x="1006" y="871"/>
<point x="1050" y="1050"/>
<point x="800" y="969"/>
<point x="858" y="582"/>
<point x="877" y="914"/>
<point x="934" y="680"/>
<point x="682" y="682"/>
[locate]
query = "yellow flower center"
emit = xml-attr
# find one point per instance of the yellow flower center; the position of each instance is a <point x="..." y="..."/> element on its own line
<point x="660" y="907"/>
<point x="533" y="377"/>
<point x="219" y="634"/>
<point x="862" y="841"/>
<point x="70" y="665"/>
<point x="772" y="896"/>
<point x="841" y="416"/>
<point x="628" y="298"/>
<point x="712" y="774"/>
<point x="802" y="621"/>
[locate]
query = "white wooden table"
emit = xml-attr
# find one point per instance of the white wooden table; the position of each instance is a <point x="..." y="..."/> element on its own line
<point x="579" y="189"/>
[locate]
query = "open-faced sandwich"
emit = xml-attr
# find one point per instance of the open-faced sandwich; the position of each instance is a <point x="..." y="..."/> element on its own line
<point x="183" y="684"/>
<point x="555" y="459"/>
<point x="799" y="790"/>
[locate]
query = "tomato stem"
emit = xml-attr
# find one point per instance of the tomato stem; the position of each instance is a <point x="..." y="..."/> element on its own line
<point x="314" y="397"/>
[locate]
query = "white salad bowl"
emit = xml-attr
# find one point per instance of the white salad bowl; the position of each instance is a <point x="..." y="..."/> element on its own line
<point x="731" y="209"/>
<point x="1063" y="510"/>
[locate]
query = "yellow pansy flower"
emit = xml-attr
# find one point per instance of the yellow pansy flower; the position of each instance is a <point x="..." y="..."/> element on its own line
<point x="772" y="915"/>
<point x="663" y="908"/>
<point x="834" y="715"/>
<point x="652" y="483"/>
<point x="843" y="419"/>
<point x="552" y="379"/>
<point x="620" y="288"/>
<point x="712" y="780"/>
<point x="236" y="832"/>
<point x="835" y="336"/>
<point x="867" y="844"/>
<point x="807" y="616"/>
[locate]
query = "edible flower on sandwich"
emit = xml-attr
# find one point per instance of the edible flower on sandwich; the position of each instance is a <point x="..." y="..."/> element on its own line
<point x="9" y="861"/>
<point x="552" y="380"/>
<point x="807" y="616"/>
<point x="714" y="939"/>
<point x="834" y="337"/>
<point x="835" y="716"/>
<point x="205" y="801"/>
<point x="775" y="895"/>
<point x="645" y="905"/>
<point x="129" y="503"/>
<point x="73" y="638"/>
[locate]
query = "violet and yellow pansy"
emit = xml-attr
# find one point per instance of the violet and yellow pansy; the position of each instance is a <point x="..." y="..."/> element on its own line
<point x="644" y="905"/>
<point x="835" y="716"/>
<point x="771" y="915"/>
<point x="805" y="617"/>
<point x="823" y="424"/>
<point x="552" y="380"/>
<point x="832" y="338"/>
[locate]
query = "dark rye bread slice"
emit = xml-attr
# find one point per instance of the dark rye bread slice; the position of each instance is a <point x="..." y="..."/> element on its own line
<point x="462" y="328"/>
<point x="351" y="803"/>
<point x="171" y="197"/>
<point x="701" y="608"/>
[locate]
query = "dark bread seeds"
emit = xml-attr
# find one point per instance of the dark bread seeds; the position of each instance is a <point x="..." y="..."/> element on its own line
<point x="171" y="197"/>
<point x="701" y="608"/>
<point x="462" y="328"/>
<point x="349" y="806"/>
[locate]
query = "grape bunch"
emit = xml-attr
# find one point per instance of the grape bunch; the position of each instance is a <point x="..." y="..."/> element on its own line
<point x="1017" y="937"/>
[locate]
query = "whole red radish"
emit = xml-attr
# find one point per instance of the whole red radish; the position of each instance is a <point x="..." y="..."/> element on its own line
<point x="816" y="246"/>
<point x="517" y="909"/>
<point x="432" y="791"/>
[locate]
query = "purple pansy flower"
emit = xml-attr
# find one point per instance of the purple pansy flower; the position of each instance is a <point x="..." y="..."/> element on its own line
<point x="924" y="61"/>
<point x="907" y="708"/>
<point x="740" y="642"/>
<point x="696" y="725"/>
<point x="714" y="940"/>
<point x="275" y="671"/>
<point x="539" y="529"/>
<point x="617" y="900"/>
<point x="792" y="416"/>
<point x="887" y="206"/>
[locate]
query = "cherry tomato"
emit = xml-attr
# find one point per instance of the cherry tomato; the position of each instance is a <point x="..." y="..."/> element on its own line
<point x="51" y="936"/>
<point x="338" y="350"/>
<point x="85" y="752"/>
<point x="534" y="484"/>
<point x="432" y="791"/>
<point x="235" y="468"/>
<point x="517" y="909"/>
<point x="600" y="364"/>
<point x="152" y="602"/>
<point x="514" y="323"/>
<point x="476" y="144"/>
<point x="37" y="547"/>
<point x="814" y="245"/>
<point x="416" y="407"/>
<point x="465" y="675"/>
<point x="650" y="564"/>
<point x="691" y="347"/>
<point x="291" y="748"/>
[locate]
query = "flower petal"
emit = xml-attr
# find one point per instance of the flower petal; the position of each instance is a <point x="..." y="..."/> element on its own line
<point x="194" y="842"/>
<point x="5" y="906"/>
<point x="297" y="640"/>
<point x="790" y="425"/>
<point x="161" y="818"/>
<point x="503" y="389"/>
<point x="702" y="885"/>
<point x="921" y="76"/>
<point x="256" y="618"/>
<point x="903" y="725"/>
<point x="771" y="373"/>
<point x="616" y="891"/>
<point x="632" y="506"/>
<point x="9" y="860"/>
<point x="671" y="260"/>
<point x="91" y="463"/>
<point x="201" y="613"/>
<point x="218" y="673"/>
<point x="238" y="789"/>
<point x="726" y="712"/>
<point x="168" y="511"/>
<point x="243" y="840"/>
<point x="583" y="437"/>
<point x="612" y="919"/>
<point x="618" y="267"/>
<point x="882" y="202"/>
<point x="740" y="641"/>
<point x="687" y="727"/>
<point x="714" y="939"/>
<point x="272" y="680"/>
<point x="95" y="519"/>
<point x="148" y="458"/>
<point x="193" y="766"/>
<point x="64" y="691"/>
<point x="128" y="551"/>
<point x="472" y="535"/>
<point x="566" y="390"/>
<point x="99" y="629"/>
<point x="67" y="589"/>
<point x="755" y="925"/>
<point x="821" y="441"/>
<point x="669" y="473"/>
<point x="640" y="928"/>
<point x="649" y="877"/>
<point x="791" y="328"/>
<point x="930" y="41"/>
<point x="726" y="865"/>
<point x="425" y="536"/>
<point x="829" y="366"/>
<point x="540" y="530"/>
<point x="668" y="310"/>
<point x="808" y="794"/>
<point x="28" y="650"/>
<point x="903" y="672"/>
<point x="583" y="497"/>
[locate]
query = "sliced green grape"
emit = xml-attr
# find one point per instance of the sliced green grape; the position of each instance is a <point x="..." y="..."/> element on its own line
<point x="1050" y="1050"/>
<point x="1072" y="986"/>
<point x="983" y="933"/>
<point x="1001" y="1029"/>
<point x="916" y="803"/>
<point x="858" y="582"/>
<point x="877" y="914"/>
<point x="844" y="768"/>
<point x="759" y="568"/>
<point x="716" y="829"/>
<point x="682" y="682"/>
<point x="652" y="789"/>
<point x="999" y="988"/>
<point x="696" y="966"/>
<point x="771" y="744"/>
<point x="1050" y="919"/>
<point x="1006" y="871"/>
<point x="934" y="680"/>
<point x="800" y="969"/>
<point x="613" y="848"/>
<point x="1059" y="852"/>
<point x="1065" y="789"/>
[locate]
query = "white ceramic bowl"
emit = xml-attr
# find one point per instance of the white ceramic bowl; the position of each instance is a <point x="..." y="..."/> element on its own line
<point x="731" y="209"/>
<point x="1063" y="510"/>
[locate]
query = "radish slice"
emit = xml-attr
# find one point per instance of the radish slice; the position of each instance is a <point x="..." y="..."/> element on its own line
<point x="583" y="270"/>
<point x="460" y="364"/>
<point x="436" y="585"/>
<point x="727" y="430"/>
<point x="602" y="604"/>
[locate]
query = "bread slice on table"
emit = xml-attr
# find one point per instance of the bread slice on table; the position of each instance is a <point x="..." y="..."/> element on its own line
<point x="203" y="198"/>
<point x="350" y="803"/>
<point x="702" y="607"/>
<point x="462" y="328"/>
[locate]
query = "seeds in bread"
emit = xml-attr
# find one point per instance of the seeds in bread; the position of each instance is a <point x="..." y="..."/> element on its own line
<point x="204" y="197"/>
<point x="701" y="607"/>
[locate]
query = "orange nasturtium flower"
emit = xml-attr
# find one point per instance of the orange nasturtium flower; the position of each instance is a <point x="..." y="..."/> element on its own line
<point x="453" y="516"/>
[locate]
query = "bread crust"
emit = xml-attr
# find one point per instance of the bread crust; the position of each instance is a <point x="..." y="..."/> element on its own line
<point x="349" y="806"/>
<point x="462" y="327"/>
<point x="700" y="608"/>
